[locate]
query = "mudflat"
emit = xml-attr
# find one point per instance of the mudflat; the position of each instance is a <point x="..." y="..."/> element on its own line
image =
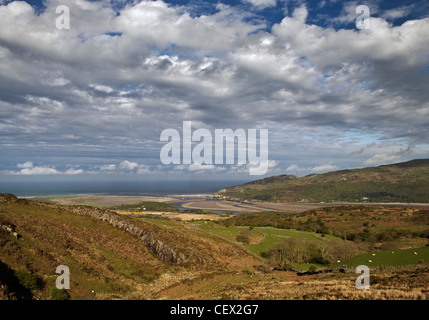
<point x="206" y="203"/>
<point x="101" y="200"/>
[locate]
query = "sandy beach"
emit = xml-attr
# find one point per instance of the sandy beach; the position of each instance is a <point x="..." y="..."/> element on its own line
<point x="206" y="203"/>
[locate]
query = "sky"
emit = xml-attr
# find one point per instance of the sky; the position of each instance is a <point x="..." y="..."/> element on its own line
<point x="92" y="100"/>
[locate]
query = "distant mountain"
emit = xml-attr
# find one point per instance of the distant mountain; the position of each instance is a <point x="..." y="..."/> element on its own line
<point x="400" y="182"/>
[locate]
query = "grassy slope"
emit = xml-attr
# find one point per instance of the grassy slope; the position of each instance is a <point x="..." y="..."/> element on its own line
<point x="114" y="263"/>
<point x="384" y="228"/>
<point x="403" y="182"/>
<point x="104" y="261"/>
<point x="388" y="258"/>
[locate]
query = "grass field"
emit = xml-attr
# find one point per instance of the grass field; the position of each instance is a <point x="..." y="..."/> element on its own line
<point x="388" y="258"/>
<point x="262" y="238"/>
<point x="274" y="235"/>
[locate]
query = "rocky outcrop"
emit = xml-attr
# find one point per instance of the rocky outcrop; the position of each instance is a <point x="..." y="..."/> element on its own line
<point x="11" y="230"/>
<point x="159" y="245"/>
<point x="165" y="251"/>
<point x="168" y="247"/>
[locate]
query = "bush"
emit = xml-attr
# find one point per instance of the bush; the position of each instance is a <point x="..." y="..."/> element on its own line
<point x="59" y="294"/>
<point x="312" y="268"/>
<point x="287" y="252"/>
<point x="28" y="280"/>
<point x="293" y="251"/>
<point x="243" y="237"/>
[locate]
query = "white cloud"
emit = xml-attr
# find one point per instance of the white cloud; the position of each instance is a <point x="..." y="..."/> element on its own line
<point x="74" y="171"/>
<point x="307" y="170"/>
<point x="128" y="165"/>
<point x="262" y="3"/>
<point x="272" y="164"/>
<point x="200" y="167"/>
<point x="28" y="168"/>
<point x="143" y="169"/>
<point x="102" y="88"/>
<point x="28" y="164"/>
<point x="108" y="167"/>
<point x="293" y="168"/>
<point x="229" y="74"/>
<point x="382" y="159"/>
<point x="398" y="12"/>
<point x="324" y="168"/>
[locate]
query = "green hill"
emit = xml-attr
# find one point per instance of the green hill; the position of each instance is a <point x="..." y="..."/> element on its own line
<point x="401" y="182"/>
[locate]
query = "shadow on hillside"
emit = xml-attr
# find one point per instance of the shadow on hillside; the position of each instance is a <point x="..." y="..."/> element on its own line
<point x="15" y="289"/>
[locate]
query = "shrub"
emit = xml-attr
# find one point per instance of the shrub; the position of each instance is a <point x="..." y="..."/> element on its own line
<point x="28" y="280"/>
<point x="243" y="237"/>
<point x="312" y="268"/>
<point x="291" y="251"/>
<point x="59" y="294"/>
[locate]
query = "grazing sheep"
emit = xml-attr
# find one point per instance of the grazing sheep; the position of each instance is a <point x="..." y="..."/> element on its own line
<point x="369" y="260"/>
<point x="415" y="252"/>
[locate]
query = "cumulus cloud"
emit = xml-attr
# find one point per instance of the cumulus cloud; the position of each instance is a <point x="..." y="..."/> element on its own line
<point x="26" y="165"/>
<point x="262" y="3"/>
<point x="381" y="159"/>
<point x="324" y="168"/>
<point x="200" y="167"/>
<point x="398" y="12"/>
<point x="307" y="170"/>
<point x="323" y="92"/>
<point x="128" y="165"/>
<point x="74" y="171"/>
<point x="28" y="168"/>
<point x="108" y="167"/>
<point x="143" y="169"/>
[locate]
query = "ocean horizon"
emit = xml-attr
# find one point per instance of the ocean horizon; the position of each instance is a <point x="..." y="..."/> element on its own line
<point x="40" y="188"/>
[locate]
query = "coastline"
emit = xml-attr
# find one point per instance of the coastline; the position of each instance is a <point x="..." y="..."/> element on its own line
<point x="203" y="201"/>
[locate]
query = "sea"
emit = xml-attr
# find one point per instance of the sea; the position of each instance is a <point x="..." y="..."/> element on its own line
<point x="42" y="188"/>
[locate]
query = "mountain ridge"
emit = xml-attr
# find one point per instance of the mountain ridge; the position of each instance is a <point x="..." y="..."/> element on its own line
<point x="399" y="182"/>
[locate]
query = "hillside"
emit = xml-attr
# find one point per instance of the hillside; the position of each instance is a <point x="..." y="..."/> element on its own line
<point x="401" y="182"/>
<point x="113" y="256"/>
<point x="109" y="255"/>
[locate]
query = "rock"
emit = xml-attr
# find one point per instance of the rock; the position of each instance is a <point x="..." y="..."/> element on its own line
<point x="165" y="251"/>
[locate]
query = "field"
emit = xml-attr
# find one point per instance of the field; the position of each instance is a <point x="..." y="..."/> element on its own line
<point x="261" y="238"/>
<point x="386" y="258"/>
